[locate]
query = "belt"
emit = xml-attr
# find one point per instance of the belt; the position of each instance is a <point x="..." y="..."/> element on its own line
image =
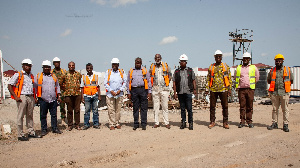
<point x="27" y="95"/>
<point x="139" y="87"/>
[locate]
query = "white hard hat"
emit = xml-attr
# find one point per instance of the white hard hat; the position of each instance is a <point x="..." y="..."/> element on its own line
<point x="115" y="61"/>
<point x="56" y="59"/>
<point x="27" y="61"/>
<point x="218" y="52"/>
<point x="246" y="55"/>
<point x="46" y="63"/>
<point x="183" y="57"/>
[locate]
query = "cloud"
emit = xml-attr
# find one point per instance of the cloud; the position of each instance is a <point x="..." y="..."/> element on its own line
<point x="66" y="33"/>
<point x="116" y="3"/>
<point x="6" y="37"/>
<point x="264" y="54"/>
<point x="228" y="54"/>
<point x="167" y="40"/>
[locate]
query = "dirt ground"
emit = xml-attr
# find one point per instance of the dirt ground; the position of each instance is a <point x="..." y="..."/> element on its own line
<point x="158" y="147"/>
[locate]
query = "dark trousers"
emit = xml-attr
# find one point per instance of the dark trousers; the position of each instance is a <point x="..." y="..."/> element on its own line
<point x="73" y="104"/>
<point x="44" y="107"/>
<point x="140" y="104"/>
<point x="246" y="97"/>
<point x="185" y="101"/>
<point x="224" y="102"/>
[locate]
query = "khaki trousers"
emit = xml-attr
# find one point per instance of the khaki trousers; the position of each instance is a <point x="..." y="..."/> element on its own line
<point x="114" y="109"/>
<point x="284" y="102"/>
<point x="160" y="98"/>
<point x="25" y="108"/>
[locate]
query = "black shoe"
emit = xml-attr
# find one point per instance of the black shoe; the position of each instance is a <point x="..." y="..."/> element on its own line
<point x="56" y="130"/>
<point x="143" y="127"/>
<point x="34" y="136"/>
<point x="96" y="126"/>
<point x="44" y="132"/>
<point x="241" y="125"/>
<point x="22" y="138"/>
<point x="183" y="125"/>
<point x="273" y="126"/>
<point x="286" y="128"/>
<point x="250" y="125"/>
<point x="85" y="127"/>
<point x="135" y="127"/>
<point x="191" y="126"/>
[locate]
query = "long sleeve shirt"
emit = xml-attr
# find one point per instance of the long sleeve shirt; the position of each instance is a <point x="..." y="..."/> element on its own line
<point x="137" y="80"/>
<point x="48" y="88"/>
<point x="244" y="77"/>
<point x="115" y="83"/>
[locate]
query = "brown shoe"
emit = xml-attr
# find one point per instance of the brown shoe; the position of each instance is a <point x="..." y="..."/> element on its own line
<point x="155" y="126"/>
<point x="211" y="125"/>
<point x="226" y="126"/>
<point x="168" y="126"/>
<point x="112" y="128"/>
<point x="77" y="127"/>
<point x="119" y="127"/>
<point x="70" y="128"/>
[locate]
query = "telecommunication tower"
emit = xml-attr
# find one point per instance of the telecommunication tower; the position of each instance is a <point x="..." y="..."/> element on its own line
<point x="241" y="40"/>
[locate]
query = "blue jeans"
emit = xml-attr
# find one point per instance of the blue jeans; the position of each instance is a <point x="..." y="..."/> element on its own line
<point x="185" y="101"/>
<point x="44" y="107"/>
<point x="91" y="103"/>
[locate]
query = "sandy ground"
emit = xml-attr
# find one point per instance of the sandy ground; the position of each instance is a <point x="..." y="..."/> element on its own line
<point x="158" y="147"/>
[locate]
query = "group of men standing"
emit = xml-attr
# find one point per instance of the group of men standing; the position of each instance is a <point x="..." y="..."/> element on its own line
<point x="56" y="87"/>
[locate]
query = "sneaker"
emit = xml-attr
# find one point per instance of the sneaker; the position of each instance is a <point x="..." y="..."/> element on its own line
<point x="96" y="126"/>
<point x="250" y="125"/>
<point x="241" y="125"/>
<point x="273" y="126"/>
<point x="85" y="127"/>
<point x="286" y="128"/>
<point x="34" y="136"/>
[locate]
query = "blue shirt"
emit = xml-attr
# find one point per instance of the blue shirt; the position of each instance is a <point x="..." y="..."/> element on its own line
<point x="115" y="83"/>
<point x="48" y="88"/>
<point x="137" y="80"/>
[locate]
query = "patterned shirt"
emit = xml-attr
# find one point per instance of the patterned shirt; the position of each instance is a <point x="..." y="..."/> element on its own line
<point x="279" y="89"/>
<point x="58" y="74"/>
<point x="218" y="84"/>
<point x="71" y="83"/>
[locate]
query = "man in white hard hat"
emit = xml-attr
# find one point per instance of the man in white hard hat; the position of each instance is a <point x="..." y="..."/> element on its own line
<point x="48" y="93"/>
<point x="246" y="76"/>
<point x="184" y="85"/>
<point x="22" y="88"/>
<point x="219" y="84"/>
<point x="58" y="72"/>
<point x="160" y="78"/>
<point x="70" y="83"/>
<point x="115" y="83"/>
<point x="90" y="95"/>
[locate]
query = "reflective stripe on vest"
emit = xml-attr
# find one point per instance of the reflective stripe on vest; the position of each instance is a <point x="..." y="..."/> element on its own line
<point x="144" y="71"/>
<point x="40" y="83"/>
<point x="90" y="87"/>
<point x="165" y="73"/>
<point x="225" y="74"/>
<point x="286" y="79"/>
<point x="251" y="76"/>
<point x="18" y="88"/>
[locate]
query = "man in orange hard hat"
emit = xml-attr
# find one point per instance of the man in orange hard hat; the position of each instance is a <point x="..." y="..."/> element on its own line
<point x="280" y="79"/>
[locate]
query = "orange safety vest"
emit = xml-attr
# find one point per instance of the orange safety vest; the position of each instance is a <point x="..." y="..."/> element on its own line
<point x="225" y="74"/>
<point x="40" y="83"/>
<point x="144" y="71"/>
<point x="109" y="73"/>
<point x="90" y="87"/>
<point x="18" y="88"/>
<point x="286" y="79"/>
<point x="165" y="73"/>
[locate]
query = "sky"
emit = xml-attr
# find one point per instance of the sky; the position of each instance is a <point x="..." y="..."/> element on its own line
<point x="95" y="31"/>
